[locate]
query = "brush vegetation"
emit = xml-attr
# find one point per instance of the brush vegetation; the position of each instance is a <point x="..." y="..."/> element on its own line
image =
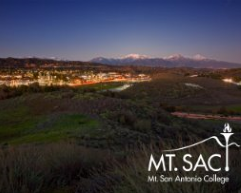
<point x="91" y="140"/>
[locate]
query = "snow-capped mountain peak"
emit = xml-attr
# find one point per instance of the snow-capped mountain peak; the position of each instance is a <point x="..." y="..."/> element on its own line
<point x="174" y="57"/>
<point x="199" y="57"/>
<point x="175" y="60"/>
<point x="134" y="56"/>
<point x="98" y="59"/>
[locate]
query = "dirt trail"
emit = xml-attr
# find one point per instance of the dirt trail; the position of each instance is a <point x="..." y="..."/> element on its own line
<point x="203" y="116"/>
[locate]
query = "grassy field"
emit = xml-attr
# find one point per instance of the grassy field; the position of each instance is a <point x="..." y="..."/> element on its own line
<point x="56" y="128"/>
<point x="20" y="124"/>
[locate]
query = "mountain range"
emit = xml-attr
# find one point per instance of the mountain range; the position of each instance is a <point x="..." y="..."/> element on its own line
<point x="176" y="60"/>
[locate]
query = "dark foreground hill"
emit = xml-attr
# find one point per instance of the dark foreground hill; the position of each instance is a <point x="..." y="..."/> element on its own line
<point x="89" y="140"/>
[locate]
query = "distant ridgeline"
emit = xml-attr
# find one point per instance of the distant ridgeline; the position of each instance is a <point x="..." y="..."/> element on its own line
<point x="172" y="61"/>
<point x="43" y="63"/>
<point x="111" y="63"/>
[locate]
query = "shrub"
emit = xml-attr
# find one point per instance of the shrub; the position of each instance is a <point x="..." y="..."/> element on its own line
<point x="143" y="125"/>
<point x="36" y="169"/>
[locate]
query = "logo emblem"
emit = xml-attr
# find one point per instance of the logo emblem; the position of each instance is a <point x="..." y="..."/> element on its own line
<point x="227" y="133"/>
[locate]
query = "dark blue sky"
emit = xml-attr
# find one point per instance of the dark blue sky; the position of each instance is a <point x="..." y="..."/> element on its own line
<point x="83" y="29"/>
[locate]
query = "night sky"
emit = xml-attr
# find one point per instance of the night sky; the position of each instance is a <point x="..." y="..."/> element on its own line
<point x="84" y="29"/>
